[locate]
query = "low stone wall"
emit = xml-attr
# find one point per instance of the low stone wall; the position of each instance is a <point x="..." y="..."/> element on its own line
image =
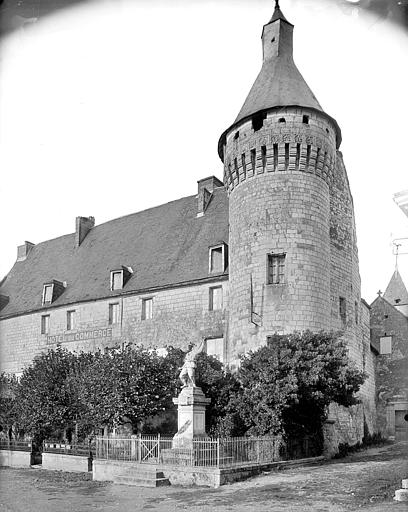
<point x="15" y="459"/>
<point x="107" y="470"/>
<point x="70" y="463"/>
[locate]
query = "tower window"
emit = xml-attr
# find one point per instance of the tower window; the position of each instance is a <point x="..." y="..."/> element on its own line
<point x="263" y="153"/>
<point x="308" y="156"/>
<point x="257" y="121"/>
<point x="147" y="309"/>
<point x="113" y="313"/>
<point x="215" y="299"/>
<point x="286" y="157"/>
<point x="253" y="159"/>
<point x="243" y="165"/>
<point x="276" y="268"/>
<point x="236" y="136"/>
<point x="317" y="157"/>
<point x="282" y="120"/>
<point x="305" y="119"/>
<point x="342" y="309"/>
<point x="356" y="315"/>
<point x="297" y="157"/>
<point x="45" y="324"/>
<point x="275" y="157"/>
<point x="236" y="168"/>
<point x="70" y="320"/>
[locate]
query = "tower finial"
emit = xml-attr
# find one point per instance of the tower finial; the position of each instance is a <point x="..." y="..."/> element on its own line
<point x="277" y="13"/>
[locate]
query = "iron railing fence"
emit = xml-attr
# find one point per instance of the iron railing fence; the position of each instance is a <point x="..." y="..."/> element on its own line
<point x="83" y="449"/>
<point x="206" y="452"/>
<point x="15" y="445"/>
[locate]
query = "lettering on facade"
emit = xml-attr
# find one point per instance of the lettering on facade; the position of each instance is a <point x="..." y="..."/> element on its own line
<point x="80" y="336"/>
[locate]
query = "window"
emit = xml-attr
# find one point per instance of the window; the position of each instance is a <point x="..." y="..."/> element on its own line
<point x="47" y="293"/>
<point x="385" y="345"/>
<point x="243" y="165"/>
<point x="45" y="324"/>
<point x="114" y="313"/>
<point x="276" y="268"/>
<point x="282" y="120"/>
<point x="215" y="347"/>
<point x="253" y="159"/>
<point x="275" y="157"/>
<point x="257" y="121"/>
<point x="147" y="309"/>
<point x="70" y="320"/>
<point x="356" y="312"/>
<point x="218" y="258"/>
<point x="305" y="119"/>
<point x="263" y="154"/>
<point x="116" y="280"/>
<point x="215" y="298"/>
<point x="342" y="309"/>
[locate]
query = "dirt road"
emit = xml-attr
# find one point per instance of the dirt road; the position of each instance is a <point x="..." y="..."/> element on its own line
<point x="365" y="481"/>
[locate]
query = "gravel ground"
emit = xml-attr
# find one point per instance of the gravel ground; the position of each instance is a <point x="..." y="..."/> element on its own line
<point x="365" y="481"/>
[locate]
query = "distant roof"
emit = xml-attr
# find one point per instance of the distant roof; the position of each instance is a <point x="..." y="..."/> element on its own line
<point x="165" y="246"/>
<point x="279" y="83"/>
<point x="401" y="199"/>
<point x="396" y="292"/>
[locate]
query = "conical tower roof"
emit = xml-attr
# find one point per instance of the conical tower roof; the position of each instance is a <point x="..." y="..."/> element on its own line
<point x="396" y="292"/>
<point x="279" y="82"/>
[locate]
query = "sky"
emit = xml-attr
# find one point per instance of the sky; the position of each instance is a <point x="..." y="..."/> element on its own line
<point x="108" y="108"/>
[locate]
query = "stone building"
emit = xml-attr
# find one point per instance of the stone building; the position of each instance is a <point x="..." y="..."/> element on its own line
<point x="270" y="249"/>
<point x="389" y="334"/>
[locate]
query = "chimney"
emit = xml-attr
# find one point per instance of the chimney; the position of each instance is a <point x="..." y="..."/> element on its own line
<point x="23" y="250"/>
<point x="83" y="225"/>
<point x="206" y="188"/>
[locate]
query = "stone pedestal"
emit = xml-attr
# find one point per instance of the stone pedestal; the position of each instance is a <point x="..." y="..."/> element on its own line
<point x="191" y="404"/>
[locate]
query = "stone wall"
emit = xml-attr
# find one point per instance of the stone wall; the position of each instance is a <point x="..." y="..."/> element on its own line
<point x="180" y="316"/>
<point x="278" y="183"/>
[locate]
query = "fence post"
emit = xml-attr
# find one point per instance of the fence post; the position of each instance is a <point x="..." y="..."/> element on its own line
<point x="139" y="448"/>
<point x="158" y="448"/>
<point x="218" y="452"/>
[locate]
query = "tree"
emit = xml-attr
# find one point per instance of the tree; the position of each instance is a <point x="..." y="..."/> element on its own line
<point x="129" y="385"/>
<point x="288" y="384"/>
<point x="44" y="401"/>
<point x="219" y="384"/>
<point x="8" y="417"/>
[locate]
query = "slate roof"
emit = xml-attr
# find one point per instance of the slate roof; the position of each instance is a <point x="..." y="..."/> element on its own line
<point x="165" y="246"/>
<point x="396" y="290"/>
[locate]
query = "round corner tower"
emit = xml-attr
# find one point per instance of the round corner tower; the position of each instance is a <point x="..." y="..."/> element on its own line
<point x="279" y="157"/>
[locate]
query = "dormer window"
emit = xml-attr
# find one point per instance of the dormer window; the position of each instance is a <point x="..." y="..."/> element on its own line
<point x="51" y="291"/>
<point x="119" y="277"/>
<point x="47" y="294"/>
<point x="218" y="258"/>
<point x="117" y="280"/>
